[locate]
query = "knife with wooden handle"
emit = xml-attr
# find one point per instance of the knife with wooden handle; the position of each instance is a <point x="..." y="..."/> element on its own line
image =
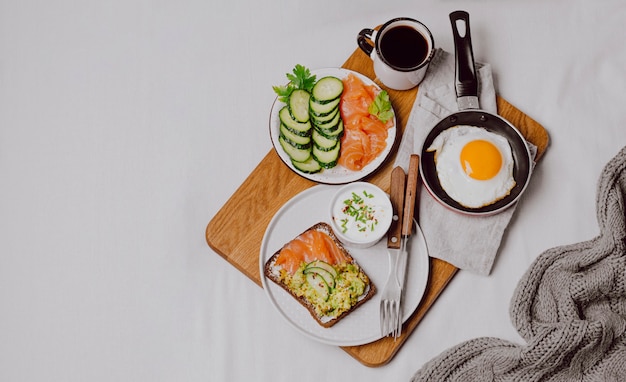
<point x="408" y="210"/>
<point x="396" y="194"/>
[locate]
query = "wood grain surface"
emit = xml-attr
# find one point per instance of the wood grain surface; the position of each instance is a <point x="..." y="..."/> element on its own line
<point x="410" y="196"/>
<point x="272" y="184"/>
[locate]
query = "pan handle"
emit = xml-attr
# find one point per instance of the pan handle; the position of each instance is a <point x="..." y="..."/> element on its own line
<point x="466" y="82"/>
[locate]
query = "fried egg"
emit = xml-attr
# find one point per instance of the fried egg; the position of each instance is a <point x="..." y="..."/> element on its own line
<point x="474" y="166"/>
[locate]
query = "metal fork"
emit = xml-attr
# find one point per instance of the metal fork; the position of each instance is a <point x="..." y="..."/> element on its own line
<point x="390" y="312"/>
<point x="390" y="316"/>
<point x="403" y="201"/>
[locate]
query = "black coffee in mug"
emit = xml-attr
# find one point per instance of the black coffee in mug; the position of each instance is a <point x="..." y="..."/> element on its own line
<point x="403" y="47"/>
<point x="401" y="51"/>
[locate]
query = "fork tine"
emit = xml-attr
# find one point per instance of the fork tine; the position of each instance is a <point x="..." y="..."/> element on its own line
<point x="383" y="317"/>
<point x="388" y="325"/>
<point x="388" y="318"/>
<point x="398" y="319"/>
<point x="396" y="331"/>
<point x="392" y="317"/>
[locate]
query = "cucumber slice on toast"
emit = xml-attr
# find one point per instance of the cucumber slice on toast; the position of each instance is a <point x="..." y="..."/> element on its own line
<point x="318" y="284"/>
<point x="324" y="265"/>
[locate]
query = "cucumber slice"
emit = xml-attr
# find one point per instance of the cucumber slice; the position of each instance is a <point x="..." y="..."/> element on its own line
<point x="327" y="89"/>
<point x="322" y="109"/>
<point x="299" y="105"/>
<point x="324" y="265"/>
<point x="295" y="153"/>
<point x="328" y="277"/>
<point x="310" y="166"/>
<point x="305" y="146"/>
<point x="299" y="128"/>
<point x="332" y="133"/>
<point x="321" y="119"/>
<point x="324" y="143"/>
<point x="318" y="284"/>
<point x="330" y="124"/>
<point x="293" y="136"/>
<point x="326" y="159"/>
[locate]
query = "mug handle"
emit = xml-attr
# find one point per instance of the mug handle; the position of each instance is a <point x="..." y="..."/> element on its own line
<point x="364" y="35"/>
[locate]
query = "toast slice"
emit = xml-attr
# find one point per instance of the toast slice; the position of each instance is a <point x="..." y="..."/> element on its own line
<point x="320" y="273"/>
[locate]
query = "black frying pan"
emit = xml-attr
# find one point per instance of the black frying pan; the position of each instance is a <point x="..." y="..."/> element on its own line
<point x="469" y="113"/>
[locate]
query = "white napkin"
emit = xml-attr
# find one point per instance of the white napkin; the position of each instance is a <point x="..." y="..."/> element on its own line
<point x="467" y="242"/>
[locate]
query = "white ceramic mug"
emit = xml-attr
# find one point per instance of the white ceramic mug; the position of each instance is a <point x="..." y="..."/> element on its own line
<point x="402" y="49"/>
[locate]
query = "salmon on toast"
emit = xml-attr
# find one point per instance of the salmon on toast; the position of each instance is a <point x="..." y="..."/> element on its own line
<point x="317" y="270"/>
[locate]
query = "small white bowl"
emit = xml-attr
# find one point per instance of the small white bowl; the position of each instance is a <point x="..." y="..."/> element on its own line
<point x="368" y="201"/>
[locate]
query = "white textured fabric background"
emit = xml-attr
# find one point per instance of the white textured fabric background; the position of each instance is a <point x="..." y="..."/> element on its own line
<point x="126" y="125"/>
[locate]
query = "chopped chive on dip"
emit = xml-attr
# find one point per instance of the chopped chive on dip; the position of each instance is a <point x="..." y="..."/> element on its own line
<point x="358" y="213"/>
<point x="361" y="214"/>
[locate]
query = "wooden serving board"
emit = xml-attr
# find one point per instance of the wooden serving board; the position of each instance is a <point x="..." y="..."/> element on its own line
<point x="272" y="184"/>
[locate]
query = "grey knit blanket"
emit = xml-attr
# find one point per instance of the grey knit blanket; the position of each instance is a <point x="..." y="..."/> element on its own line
<point x="570" y="308"/>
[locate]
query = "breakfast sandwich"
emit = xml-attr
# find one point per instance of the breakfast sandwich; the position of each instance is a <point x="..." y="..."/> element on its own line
<point x="320" y="274"/>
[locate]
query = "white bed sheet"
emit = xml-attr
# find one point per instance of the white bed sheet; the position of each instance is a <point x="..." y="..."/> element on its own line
<point x="126" y="125"/>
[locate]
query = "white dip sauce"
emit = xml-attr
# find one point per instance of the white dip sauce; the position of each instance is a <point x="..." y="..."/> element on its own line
<point x="360" y="213"/>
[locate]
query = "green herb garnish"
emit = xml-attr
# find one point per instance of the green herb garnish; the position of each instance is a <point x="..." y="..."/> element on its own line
<point x="360" y="211"/>
<point x="300" y="78"/>
<point x="381" y="107"/>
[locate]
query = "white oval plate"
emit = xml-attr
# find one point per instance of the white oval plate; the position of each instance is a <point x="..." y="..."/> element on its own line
<point x="363" y="325"/>
<point x="338" y="174"/>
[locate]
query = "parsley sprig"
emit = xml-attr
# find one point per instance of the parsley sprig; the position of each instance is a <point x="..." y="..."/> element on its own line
<point x="381" y="107"/>
<point x="300" y="78"/>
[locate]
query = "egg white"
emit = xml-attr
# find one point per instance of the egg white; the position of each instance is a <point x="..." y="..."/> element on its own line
<point x="467" y="191"/>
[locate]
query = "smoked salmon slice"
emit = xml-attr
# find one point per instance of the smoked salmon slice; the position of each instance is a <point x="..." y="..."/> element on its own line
<point x="365" y="136"/>
<point x="309" y="246"/>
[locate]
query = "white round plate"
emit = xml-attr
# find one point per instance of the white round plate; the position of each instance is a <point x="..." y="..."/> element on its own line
<point x="363" y="325"/>
<point x="337" y="174"/>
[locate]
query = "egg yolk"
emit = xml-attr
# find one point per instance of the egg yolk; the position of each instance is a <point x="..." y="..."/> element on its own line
<point x="481" y="159"/>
